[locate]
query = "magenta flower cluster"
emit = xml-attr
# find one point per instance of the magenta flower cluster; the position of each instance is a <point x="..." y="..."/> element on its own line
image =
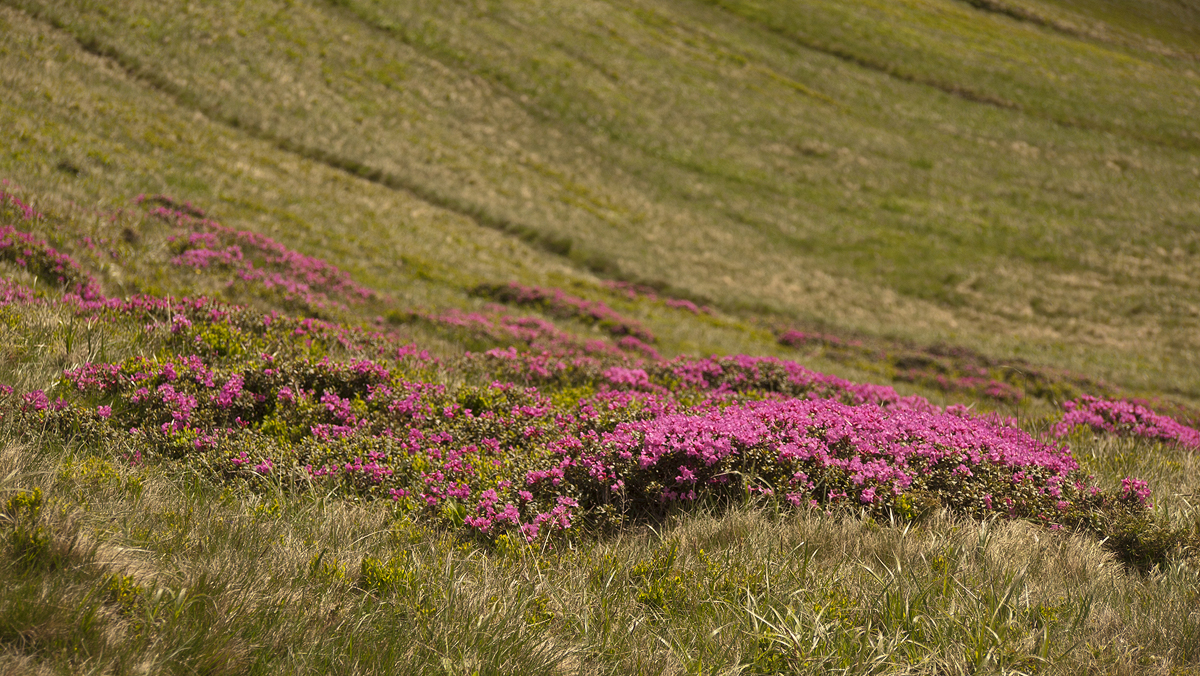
<point x="1125" y="418"/>
<point x="558" y="303"/>
<point x="827" y="450"/>
<point x="981" y="386"/>
<point x="259" y="260"/>
<point x="750" y="424"/>
<point x="497" y="325"/>
<point x="507" y="459"/>
<point x="6" y="198"/>
<point x="39" y="258"/>
<point x="923" y="369"/>
<point x="568" y="434"/>
<point x="170" y="203"/>
<point x="794" y="338"/>
<point x="13" y="293"/>
<point x="635" y="291"/>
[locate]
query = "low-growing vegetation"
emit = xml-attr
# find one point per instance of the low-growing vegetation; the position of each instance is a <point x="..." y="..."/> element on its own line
<point x="619" y="337"/>
<point x="551" y="502"/>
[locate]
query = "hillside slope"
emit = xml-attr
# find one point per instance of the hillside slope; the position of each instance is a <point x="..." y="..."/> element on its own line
<point x="1016" y="178"/>
<point x="623" y="337"/>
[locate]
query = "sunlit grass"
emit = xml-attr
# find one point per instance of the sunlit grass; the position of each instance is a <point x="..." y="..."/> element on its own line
<point x="169" y="572"/>
<point x="1017" y="177"/>
<point x="621" y="136"/>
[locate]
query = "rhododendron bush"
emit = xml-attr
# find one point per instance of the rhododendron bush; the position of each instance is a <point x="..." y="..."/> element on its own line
<point x="950" y="369"/>
<point x="254" y="259"/>
<point x="1125" y="418"/>
<point x="563" y="436"/>
<point x="596" y="443"/>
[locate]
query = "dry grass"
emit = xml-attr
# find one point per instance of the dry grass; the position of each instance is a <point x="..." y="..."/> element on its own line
<point x="837" y="165"/>
<point x="254" y="583"/>
<point x="662" y="141"/>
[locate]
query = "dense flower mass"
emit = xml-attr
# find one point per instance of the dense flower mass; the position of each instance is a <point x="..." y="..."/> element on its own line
<point x="1127" y="419"/>
<point x="823" y="450"/>
<point x="12" y="292"/>
<point x="980" y="386"/>
<point x="507" y="458"/>
<point x="534" y="332"/>
<point x="951" y="370"/>
<point x="545" y="432"/>
<point x="794" y="338"/>
<point x="630" y="441"/>
<point x="36" y="256"/>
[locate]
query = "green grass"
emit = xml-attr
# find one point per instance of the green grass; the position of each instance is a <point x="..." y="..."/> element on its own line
<point x="1016" y="177"/>
<point x="685" y="143"/>
<point x="150" y="570"/>
<point x="113" y="567"/>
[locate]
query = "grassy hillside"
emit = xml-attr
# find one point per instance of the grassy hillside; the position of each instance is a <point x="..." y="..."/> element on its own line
<point x="615" y="337"/>
<point x="929" y="171"/>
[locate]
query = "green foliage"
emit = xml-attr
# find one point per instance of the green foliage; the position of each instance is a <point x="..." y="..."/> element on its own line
<point x="25" y="506"/>
<point x="386" y="577"/>
<point x="222" y="340"/>
<point x="538" y="613"/>
<point x="567" y="396"/>
<point x="949" y="197"/>
<point x="31" y="547"/>
<point x="29" y="541"/>
<point x="1145" y="541"/>
<point x="659" y="584"/>
<point x="329" y="571"/>
<point x="124" y="592"/>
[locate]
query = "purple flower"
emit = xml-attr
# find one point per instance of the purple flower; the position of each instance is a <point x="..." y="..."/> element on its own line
<point x="1126" y="419"/>
<point x="36" y="400"/>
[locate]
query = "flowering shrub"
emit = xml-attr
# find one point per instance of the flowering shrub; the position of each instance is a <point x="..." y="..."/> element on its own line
<point x="691" y="377"/>
<point x="500" y="327"/>
<point x="258" y="260"/>
<point x="771" y="376"/>
<point x="636" y="345"/>
<point x="506" y="458"/>
<point x="822" y="451"/>
<point x="952" y="369"/>
<point x="635" y="291"/>
<point x="12" y="292"/>
<point x="1125" y="418"/>
<point x="557" y="303"/>
<point x="798" y="338"/>
<point x="564" y="437"/>
<point x="170" y="203"/>
<point x="39" y="258"/>
<point x="631" y="290"/>
<point x="979" y="386"/>
<point x="11" y="201"/>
